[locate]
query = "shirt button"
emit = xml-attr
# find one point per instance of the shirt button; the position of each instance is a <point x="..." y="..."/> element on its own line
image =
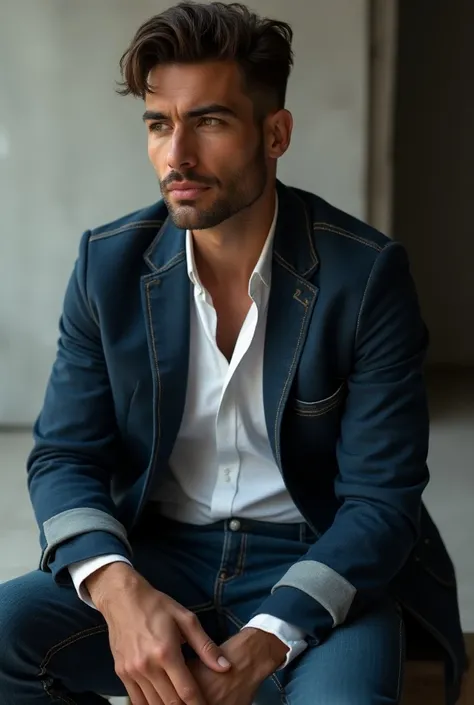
<point x="234" y="525"/>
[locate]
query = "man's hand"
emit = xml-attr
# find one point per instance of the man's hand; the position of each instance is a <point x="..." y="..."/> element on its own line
<point x="254" y="656"/>
<point x="146" y="631"/>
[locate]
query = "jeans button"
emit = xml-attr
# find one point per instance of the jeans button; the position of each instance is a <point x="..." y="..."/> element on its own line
<point x="234" y="525"/>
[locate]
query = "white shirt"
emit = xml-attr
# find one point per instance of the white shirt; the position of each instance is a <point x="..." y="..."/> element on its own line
<point x="223" y="435"/>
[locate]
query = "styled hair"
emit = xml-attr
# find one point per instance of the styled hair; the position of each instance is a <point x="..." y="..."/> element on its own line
<point x="191" y="33"/>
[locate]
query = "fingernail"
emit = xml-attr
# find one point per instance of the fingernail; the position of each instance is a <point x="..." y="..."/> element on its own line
<point x="222" y="661"/>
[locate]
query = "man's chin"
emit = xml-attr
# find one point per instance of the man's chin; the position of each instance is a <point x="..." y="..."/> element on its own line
<point x="188" y="217"/>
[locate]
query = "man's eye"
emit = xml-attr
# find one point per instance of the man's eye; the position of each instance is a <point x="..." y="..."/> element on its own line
<point x="157" y="127"/>
<point x="211" y="122"/>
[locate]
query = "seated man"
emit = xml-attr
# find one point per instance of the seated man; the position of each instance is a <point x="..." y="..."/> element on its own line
<point x="229" y="464"/>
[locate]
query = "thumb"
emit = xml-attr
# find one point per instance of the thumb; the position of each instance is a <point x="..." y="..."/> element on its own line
<point x="209" y="653"/>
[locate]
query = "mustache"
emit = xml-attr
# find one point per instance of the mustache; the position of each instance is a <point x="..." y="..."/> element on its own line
<point x="176" y="177"/>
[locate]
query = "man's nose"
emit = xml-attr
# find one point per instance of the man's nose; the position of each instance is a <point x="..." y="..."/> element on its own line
<point x="182" y="152"/>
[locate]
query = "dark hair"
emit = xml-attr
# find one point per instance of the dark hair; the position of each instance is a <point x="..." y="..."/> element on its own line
<point x="191" y="32"/>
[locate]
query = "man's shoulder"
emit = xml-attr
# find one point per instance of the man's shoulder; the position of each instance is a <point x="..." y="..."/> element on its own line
<point x="117" y="232"/>
<point x="333" y="227"/>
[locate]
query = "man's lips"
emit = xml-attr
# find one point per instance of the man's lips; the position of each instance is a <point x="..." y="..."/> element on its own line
<point x="186" y="190"/>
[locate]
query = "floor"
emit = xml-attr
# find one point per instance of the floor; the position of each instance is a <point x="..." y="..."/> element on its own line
<point x="450" y="495"/>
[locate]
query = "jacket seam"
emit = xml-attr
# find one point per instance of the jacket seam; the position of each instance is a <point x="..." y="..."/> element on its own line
<point x="86" y="288"/>
<point x="285" y="386"/>
<point x="346" y="233"/>
<point x="300" y="277"/>
<point x="141" y="224"/>
<point x="364" y="296"/>
<point x="308" y="231"/>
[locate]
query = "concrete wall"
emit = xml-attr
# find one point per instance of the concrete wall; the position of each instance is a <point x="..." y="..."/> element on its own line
<point x="434" y="157"/>
<point x="73" y="154"/>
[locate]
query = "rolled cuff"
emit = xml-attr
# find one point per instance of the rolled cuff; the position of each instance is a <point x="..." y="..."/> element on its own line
<point x="73" y="523"/>
<point x="323" y="584"/>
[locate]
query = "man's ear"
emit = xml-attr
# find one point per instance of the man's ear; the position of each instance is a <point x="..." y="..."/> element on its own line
<point x="279" y="129"/>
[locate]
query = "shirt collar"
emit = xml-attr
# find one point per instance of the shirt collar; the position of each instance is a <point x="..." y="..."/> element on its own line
<point x="263" y="268"/>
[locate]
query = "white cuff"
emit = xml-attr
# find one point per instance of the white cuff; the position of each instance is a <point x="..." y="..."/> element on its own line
<point x="293" y="637"/>
<point x="81" y="570"/>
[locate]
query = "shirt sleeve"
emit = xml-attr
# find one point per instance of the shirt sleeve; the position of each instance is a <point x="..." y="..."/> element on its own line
<point x="292" y="637"/>
<point x="81" y="570"/>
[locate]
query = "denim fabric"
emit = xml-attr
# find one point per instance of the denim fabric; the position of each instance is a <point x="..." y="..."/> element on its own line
<point x="54" y="649"/>
<point x="345" y="409"/>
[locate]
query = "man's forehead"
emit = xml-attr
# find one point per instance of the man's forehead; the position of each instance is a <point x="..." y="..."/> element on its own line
<point x="207" y="82"/>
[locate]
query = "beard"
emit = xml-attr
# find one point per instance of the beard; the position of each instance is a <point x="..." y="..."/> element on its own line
<point x="239" y="191"/>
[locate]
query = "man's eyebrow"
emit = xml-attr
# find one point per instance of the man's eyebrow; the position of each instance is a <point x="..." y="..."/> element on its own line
<point x="212" y="109"/>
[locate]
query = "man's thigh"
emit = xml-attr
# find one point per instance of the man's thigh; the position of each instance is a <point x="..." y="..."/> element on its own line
<point x="361" y="663"/>
<point x="52" y="639"/>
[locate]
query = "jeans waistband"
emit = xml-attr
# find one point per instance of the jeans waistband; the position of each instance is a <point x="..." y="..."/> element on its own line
<point x="293" y="532"/>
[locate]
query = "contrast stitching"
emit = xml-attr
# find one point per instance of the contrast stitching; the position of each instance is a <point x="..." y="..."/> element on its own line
<point x="155" y="359"/>
<point x="91" y="631"/>
<point x="286" y="265"/>
<point x="308" y="231"/>
<point x="171" y="262"/>
<point x="317" y="412"/>
<point x="369" y="280"/>
<point x="56" y="696"/>
<point x="59" y="647"/>
<point x="293" y="363"/>
<point x="154" y="243"/>
<point x="89" y="303"/>
<point x="345" y="233"/>
<point x="140" y="224"/>
<point x="242" y="556"/>
<point x="218" y="582"/>
<point x="328" y="399"/>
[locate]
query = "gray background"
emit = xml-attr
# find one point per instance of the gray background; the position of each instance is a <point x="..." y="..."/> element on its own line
<point x="73" y="153"/>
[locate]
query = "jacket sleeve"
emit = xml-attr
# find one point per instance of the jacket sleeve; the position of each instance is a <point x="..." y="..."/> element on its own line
<point x="381" y="454"/>
<point x="76" y="443"/>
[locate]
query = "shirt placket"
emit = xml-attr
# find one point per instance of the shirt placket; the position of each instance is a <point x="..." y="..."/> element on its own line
<point x="227" y="452"/>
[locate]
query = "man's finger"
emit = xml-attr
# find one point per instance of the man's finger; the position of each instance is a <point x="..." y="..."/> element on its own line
<point x="135" y="693"/>
<point x="209" y="653"/>
<point x="183" y="683"/>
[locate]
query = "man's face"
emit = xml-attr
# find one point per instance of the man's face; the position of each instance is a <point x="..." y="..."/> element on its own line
<point x="204" y="143"/>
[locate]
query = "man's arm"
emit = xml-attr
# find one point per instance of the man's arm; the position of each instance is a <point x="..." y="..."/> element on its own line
<point x="382" y="462"/>
<point x="76" y="443"/>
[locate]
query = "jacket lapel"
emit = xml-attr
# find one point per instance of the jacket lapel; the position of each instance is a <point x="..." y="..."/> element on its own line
<point x="166" y="294"/>
<point x="291" y="303"/>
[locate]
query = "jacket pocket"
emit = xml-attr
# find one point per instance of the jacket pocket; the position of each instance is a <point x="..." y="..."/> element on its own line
<point x="310" y="409"/>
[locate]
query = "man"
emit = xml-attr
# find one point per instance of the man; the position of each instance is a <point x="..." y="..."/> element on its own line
<point x="229" y="463"/>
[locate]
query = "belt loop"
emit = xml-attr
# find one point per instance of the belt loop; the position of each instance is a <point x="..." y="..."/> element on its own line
<point x="302" y="532"/>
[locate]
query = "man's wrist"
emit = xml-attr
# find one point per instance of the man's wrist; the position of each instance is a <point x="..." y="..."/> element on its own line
<point x="106" y="581"/>
<point x="261" y="651"/>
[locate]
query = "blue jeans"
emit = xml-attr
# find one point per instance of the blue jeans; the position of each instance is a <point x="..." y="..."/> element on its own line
<point x="54" y="648"/>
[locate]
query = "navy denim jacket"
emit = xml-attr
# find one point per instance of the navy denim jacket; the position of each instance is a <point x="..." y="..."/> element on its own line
<point x="344" y="398"/>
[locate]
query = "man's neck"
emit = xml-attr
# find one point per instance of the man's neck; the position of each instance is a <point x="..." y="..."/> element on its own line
<point x="227" y="255"/>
